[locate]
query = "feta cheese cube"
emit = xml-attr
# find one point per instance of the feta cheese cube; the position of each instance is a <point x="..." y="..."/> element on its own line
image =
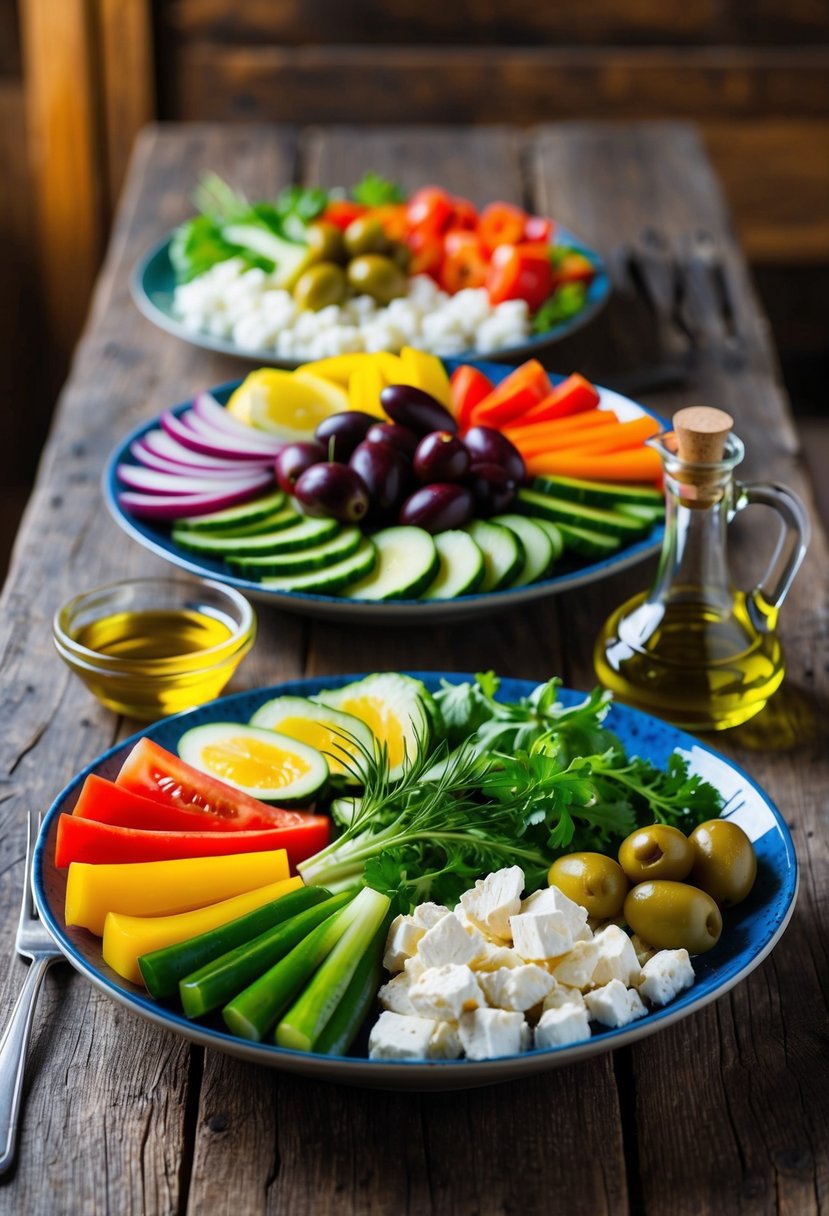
<point x="540" y="935"/>
<point x="445" y="1043"/>
<point x="616" y="959"/>
<point x="496" y="956"/>
<point x="493" y="900"/>
<point x="562" y="1025"/>
<point x="444" y="993"/>
<point x="427" y="915"/>
<point x="414" y="968"/>
<point x="448" y="942"/>
<point x="487" y="1034"/>
<point x="614" y="1005"/>
<point x="517" y="988"/>
<point x="561" y="995"/>
<point x="396" y="1036"/>
<point x="402" y="942"/>
<point x="395" y="995"/>
<point x="576" y="968"/>
<point x="550" y="899"/>
<point x="665" y="975"/>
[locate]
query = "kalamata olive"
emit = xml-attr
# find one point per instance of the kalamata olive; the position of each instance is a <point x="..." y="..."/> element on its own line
<point x="596" y="882"/>
<point x="319" y="286"/>
<point x="488" y="446"/>
<point x="656" y="851"/>
<point x="400" y="437"/>
<point x="673" y="916"/>
<point x="385" y="472"/>
<point x="440" y="456"/>
<point x="326" y="242"/>
<point x="725" y="864"/>
<point x="346" y="429"/>
<point x="334" y="490"/>
<point x="365" y="235"/>
<point x="414" y="408"/>
<point x="492" y="487"/>
<point x="294" y="459"/>
<point x="438" y="507"/>
<point x="373" y="275"/>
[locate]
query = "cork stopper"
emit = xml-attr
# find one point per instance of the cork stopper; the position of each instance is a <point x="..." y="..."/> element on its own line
<point x="701" y="432"/>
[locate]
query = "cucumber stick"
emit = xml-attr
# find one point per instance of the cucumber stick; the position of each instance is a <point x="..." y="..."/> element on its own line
<point x="257" y="1008"/>
<point x="223" y="977"/>
<point x="301" y="1027"/>
<point x="342" y="1027"/>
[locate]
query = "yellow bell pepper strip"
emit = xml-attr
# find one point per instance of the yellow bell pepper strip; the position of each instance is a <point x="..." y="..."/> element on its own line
<point x="427" y="372"/>
<point x="126" y="938"/>
<point x="365" y="384"/>
<point x="162" y="888"/>
<point x="340" y="367"/>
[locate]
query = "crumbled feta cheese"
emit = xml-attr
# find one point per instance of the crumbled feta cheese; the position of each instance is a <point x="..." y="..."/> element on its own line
<point x="616" y="958"/>
<point x="396" y="994"/>
<point x="398" y="1036"/>
<point x="427" y="915"/>
<point x="561" y="995"/>
<point x="614" y="1005"/>
<point x="493" y="900"/>
<point x="665" y="975"/>
<point x="496" y="956"/>
<point x="576" y="968"/>
<point x="551" y="899"/>
<point x="448" y="942"/>
<point x="487" y="1034"/>
<point x="402" y="942"/>
<point x="562" y="1025"/>
<point x="543" y="935"/>
<point x="445" y="1043"/>
<point x="516" y="988"/>
<point x="446" y="992"/>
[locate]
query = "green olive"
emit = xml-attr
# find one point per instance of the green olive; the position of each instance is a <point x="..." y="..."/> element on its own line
<point x="400" y="254"/>
<point x="673" y="916"/>
<point x="378" y="277"/>
<point x="326" y="242"/>
<point x="592" y="880"/>
<point x="725" y="864"/>
<point x="320" y="286"/>
<point x="365" y="235"/>
<point x="657" y="851"/>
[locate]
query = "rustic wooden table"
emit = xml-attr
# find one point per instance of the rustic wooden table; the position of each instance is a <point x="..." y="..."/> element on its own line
<point x="727" y="1111"/>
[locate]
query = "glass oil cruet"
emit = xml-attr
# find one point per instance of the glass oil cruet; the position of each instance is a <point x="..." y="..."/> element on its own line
<point x="694" y="649"/>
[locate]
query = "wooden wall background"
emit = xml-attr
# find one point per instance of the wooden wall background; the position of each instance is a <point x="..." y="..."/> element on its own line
<point x="79" y="77"/>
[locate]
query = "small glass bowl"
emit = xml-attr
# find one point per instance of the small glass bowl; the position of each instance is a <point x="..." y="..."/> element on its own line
<point x="152" y="647"/>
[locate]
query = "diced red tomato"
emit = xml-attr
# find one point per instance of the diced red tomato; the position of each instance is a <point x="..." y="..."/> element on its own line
<point x="465" y="263"/>
<point x="102" y="844"/>
<point x="467" y="386"/>
<point x="520" y="272"/>
<point x="431" y="206"/>
<point x="426" y="247"/>
<point x="573" y="267"/>
<point x="341" y="211"/>
<point x="158" y="774"/>
<point x="538" y="229"/>
<point x="517" y="393"/>
<point x="464" y="215"/>
<point x="501" y="224"/>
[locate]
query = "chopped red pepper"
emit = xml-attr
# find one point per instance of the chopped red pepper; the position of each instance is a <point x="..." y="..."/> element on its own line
<point x="467" y="386"/>
<point x="520" y="272"/>
<point x="517" y="393"/>
<point x="501" y="224"/>
<point x="465" y="264"/>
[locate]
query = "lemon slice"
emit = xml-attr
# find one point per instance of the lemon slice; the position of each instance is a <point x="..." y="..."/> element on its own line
<point x="261" y="762"/>
<point x="290" y="405"/>
<point x="393" y="707"/>
<point x="343" y="739"/>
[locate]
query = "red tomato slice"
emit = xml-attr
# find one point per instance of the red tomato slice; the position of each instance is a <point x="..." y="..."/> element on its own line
<point x="465" y="264"/>
<point x="102" y="844"/>
<point x="467" y="386"/>
<point x="430" y="205"/>
<point x="501" y="224"/>
<point x="426" y="245"/>
<point x="342" y="211"/>
<point x="158" y="774"/>
<point x="464" y="215"/>
<point x="520" y="272"/>
<point x="538" y="229"/>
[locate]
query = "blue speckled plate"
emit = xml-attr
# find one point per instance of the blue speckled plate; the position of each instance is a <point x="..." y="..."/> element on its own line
<point x="751" y="930"/>
<point x="153" y="282"/>
<point x="569" y="573"/>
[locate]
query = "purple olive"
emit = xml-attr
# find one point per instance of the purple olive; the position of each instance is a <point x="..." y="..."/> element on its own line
<point x="438" y="507"/>
<point x="492" y="487"/>
<point x="488" y="446"/>
<point x="335" y="490"/>
<point x="385" y="473"/>
<point x="412" y="407"/>
<point x="399" y="437"/>
<point x="440" y="457"/>
<point x="346" y="430"/>
<point x="294" y="459"/>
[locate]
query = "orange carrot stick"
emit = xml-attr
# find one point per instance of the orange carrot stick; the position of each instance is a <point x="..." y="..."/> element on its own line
<point x="619" y="438"/>
<point x="638" y="464"/>
<point x="559" y="429"/>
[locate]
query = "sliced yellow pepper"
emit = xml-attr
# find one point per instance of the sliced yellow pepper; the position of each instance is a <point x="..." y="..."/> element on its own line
<point x="365" y="385"/>
<point x="337" y="367"/>
<point x="126" y="938"/>
<point x="162" y="888"/>
<point x="425" y="371"/>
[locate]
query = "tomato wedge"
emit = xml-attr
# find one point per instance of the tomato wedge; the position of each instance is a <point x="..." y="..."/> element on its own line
<point x="106" y="802"/>
<point x="158" y="774"/>
<point x="520" y="272"/>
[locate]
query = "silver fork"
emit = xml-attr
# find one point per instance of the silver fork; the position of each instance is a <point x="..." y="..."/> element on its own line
<point x="33" y="942"/>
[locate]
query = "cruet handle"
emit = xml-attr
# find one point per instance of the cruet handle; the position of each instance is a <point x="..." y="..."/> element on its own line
<point x="795" y="531"/>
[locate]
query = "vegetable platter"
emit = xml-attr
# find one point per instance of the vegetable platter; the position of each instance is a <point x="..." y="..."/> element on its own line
<point x="751" y="929"/>
<point x="576" y="550"/>
<point x="317" y="272"/>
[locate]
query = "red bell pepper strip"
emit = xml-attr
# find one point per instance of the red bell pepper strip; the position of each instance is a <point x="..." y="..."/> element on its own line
<point x="517" y="393"/>
<point x="467" y="386"/>
<point x="575" y="395"/>
<point x="102" y="844"/>
<point x="520" y="272"/>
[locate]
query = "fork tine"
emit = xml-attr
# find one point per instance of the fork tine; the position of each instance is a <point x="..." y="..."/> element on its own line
<point x="33" y="823"/>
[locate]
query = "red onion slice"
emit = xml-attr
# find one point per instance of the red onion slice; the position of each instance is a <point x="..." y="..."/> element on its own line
<point x="152" y="481"/>
<point x="216" y="444"/>
<point x="166" y="448"/>
<point x="179" y="506"/>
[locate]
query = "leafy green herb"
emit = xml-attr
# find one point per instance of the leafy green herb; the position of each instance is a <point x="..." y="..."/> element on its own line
<point x="376" y="191"/>
<point x="564" y="303"/>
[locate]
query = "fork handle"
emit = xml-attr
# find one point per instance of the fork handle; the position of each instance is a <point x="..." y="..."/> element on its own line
<point x="13" y="1047"/>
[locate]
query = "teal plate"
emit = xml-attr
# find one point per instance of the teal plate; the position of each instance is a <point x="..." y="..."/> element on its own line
<point x="751" y="930"/>
<point x="153" y="282"/>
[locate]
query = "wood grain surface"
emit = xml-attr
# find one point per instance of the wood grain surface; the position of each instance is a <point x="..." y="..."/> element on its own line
<point x="726" y="1112"/>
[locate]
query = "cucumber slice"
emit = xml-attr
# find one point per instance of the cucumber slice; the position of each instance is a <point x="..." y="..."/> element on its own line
<point x="644" y="511"/>
<point x="343" y="739"/>
<point x="461" y="568"/>
<point x="407" y="561"/>
<point x="597" y="493"/>
<point x="261" y="762"/>
<point x="301" y="533"/>
<point x="395" y="708"/>
<point x="597" y="519"/>
<point x="554" y="533"/>
<point x="587" y="543"/>
<point x="341" y="545"/>
<point x="538" y="548"/>
<point x="233" y="517"/>
<point x="503" y="553"/>
<point x="331" y="579"/>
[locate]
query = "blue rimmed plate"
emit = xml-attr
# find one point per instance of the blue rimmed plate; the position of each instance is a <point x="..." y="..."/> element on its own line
<point x="751" y="930"/>
<point x="153" y="283"/>
<point x="569" y="572"/>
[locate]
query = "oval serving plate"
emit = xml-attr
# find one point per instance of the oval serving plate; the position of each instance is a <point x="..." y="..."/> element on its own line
<point x="751" y="929"/>
<point x="568" y="573"/>
<point x="153" y="282"/>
